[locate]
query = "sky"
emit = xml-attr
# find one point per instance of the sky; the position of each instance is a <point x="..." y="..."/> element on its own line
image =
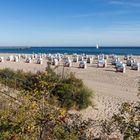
<point x="69" y="22"/>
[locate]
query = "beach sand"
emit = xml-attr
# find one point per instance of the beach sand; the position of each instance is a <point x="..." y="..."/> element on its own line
<point x="110" y="88"/>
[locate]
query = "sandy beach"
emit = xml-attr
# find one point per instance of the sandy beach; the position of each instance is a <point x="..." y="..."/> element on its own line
<point x="110" y="87"/>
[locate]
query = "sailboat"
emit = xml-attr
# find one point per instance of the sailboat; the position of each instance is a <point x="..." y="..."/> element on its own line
<point x="97" y="46"/>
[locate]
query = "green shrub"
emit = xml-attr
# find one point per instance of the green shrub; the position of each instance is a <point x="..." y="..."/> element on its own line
<point x="83" y="98"/>
<point x="31" y="120"/>
<point x="16" y="79"/>
<point x="70" y="92"/>
<point x="73" y="94"/>
<point x="7" y="76"/>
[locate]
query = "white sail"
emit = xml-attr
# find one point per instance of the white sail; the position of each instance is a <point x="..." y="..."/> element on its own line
<point x="97" y="46"/>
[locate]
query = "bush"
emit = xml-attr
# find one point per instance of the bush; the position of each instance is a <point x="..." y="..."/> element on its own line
<point x="126" y="122"/>
<point x="16" y="79"/>
<point x="7" y="77"/>
<point x="73" y="94"/>
<point x="32" y="120"/>
<point x="83" y="98"/>
<point x="70" y="92"/>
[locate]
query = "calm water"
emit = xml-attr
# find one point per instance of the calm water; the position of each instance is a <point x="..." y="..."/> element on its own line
<point x="71" y="50"/>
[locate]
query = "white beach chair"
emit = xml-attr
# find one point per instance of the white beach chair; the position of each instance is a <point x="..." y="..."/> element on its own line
<point x="15" y="58"/>
<point x="75" y="59"/>
<point x="19" y="56"/>
<point x="114" y="61"/>
<point x="83" y="64"/>
<point x="28" y="60"/>
<point x="126" y="57"/>
<point x="106" y="57"/>
<point x="67" y="63"/>
<point x="10" y="58"/>
<point x="80" y="58"/>
<point x="102" y="63"/>
<point x="55" y="62"/>
<point x="121" y="68"/>
<point x="101" y="56"/>
<point x="135" y="66"/>
<point x="1" y="59"/>
<point x="39" y="61"/>
<point x="86" y="56"/>
<point x="59" y="57"/>
<point x="22" y="56"/>
<point x="118" y="64"/>
<point x="90" y="60"/>
<point x="130" y="62"/>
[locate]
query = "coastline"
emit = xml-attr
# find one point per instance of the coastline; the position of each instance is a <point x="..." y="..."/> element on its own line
<point x="90" y="50"/>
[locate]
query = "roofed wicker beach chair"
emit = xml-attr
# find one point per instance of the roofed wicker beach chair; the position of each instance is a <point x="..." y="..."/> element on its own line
<point x="19" y="56"/>
<point x="1" y="59"/>
<point x="25" y="56"/>
<point x="106" y="57"/>
<point x="35" y="56"/>
<point x="55" y="62"/>
<point x="39" y="56"/>
<point x="86" y="56"/>
<point x="22" y="56"/>
<point x="28" y="60"/>
<point x="80" y="58"/>
<point x="126" y="57"/>
<point x="39" y="61"/>
<point x="83" y="64"/>
<point x="50" y="58"/>
<point x="58" y="56"/>
<point x="114" y="56"/>
<point x="15" y="59"/>
<point x="114" y="61"/>
<point x="135" y="66"/>
<point x="102" y="63"/>
<point x="130" y="62"/>
<point x="130" y="56"/>
<point x="118" y="64"/>
<point x="90" y="60"/>
<point x="10" y="58"/>
<point x="32" y="56"/>
<point x="67" y="62"/>
<point x="120" y="67"/>
<point x="45" y="55"/>
<point x="75" y="58"/>
<point x="101" y="56"/>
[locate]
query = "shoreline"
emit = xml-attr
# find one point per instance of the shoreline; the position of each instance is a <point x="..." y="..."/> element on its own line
<point x="90" y="50"/>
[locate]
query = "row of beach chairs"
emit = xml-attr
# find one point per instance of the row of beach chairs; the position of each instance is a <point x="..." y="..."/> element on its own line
<point x="83" y="60"/>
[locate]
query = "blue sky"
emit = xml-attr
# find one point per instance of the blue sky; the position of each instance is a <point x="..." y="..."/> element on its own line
<point x="69" y="22"/>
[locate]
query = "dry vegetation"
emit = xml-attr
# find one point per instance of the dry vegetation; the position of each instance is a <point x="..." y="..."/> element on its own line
<point x="40" y="110"/>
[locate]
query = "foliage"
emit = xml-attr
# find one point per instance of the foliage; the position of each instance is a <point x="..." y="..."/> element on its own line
<point x="35" y="115"/>
<point x="38" y="120"/>
<point x="18" y="79"/>
<point x="68" y="92"/>
<point x="27" y="81"/>
<point x="126" y="122"/>
<point x="72" y="93"/>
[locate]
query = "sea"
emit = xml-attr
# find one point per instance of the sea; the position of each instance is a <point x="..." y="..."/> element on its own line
<point x="72" y="50"/>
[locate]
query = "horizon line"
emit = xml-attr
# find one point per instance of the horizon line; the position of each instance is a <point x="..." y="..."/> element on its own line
<point x="100" y="46"/>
